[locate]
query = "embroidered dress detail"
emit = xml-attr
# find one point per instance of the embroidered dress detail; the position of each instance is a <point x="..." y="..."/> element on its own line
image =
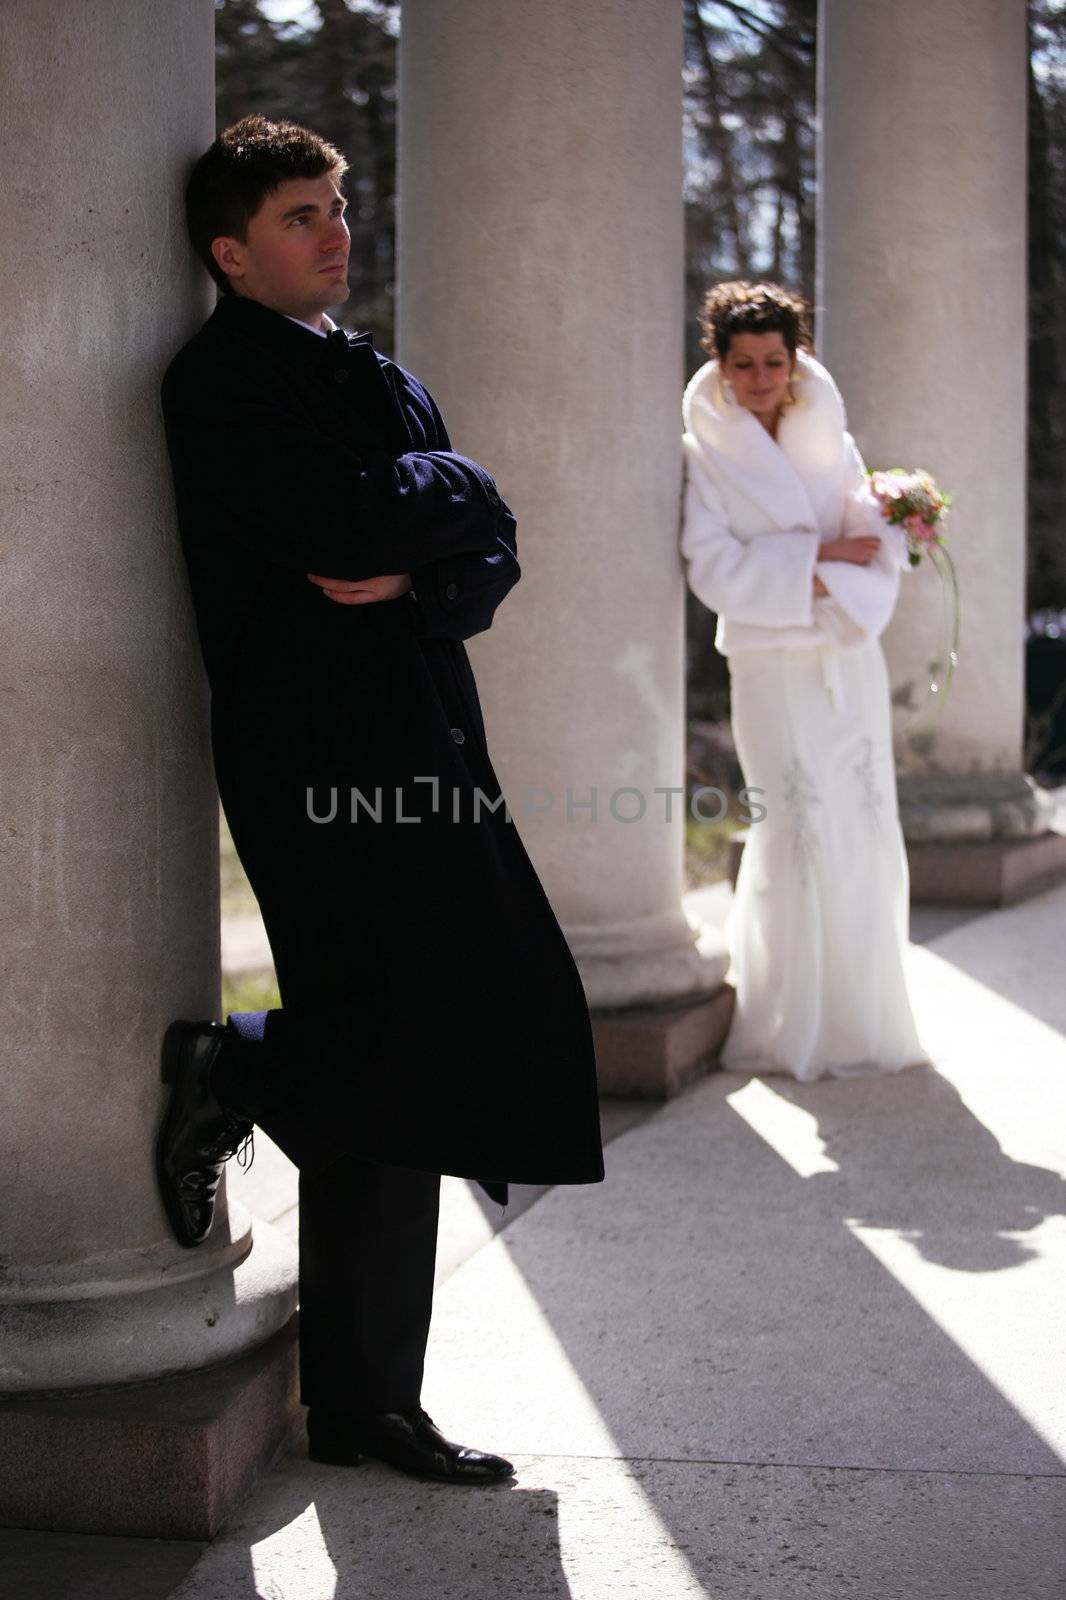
<point x="799" y="794"/>
<point x="872" y="798"/>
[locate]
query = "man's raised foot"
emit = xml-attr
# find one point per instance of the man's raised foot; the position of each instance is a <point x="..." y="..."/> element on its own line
<point x="198" y="1135"/>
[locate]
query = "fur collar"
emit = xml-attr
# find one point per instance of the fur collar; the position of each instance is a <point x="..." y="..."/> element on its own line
<point x="790" y="477"/>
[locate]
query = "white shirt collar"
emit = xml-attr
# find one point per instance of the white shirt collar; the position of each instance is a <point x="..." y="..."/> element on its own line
<point x="321" y="332"/>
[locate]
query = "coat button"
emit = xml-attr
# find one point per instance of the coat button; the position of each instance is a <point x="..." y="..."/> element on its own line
<point x="458" y="735"/>
<point x="451" y="591"/>
<point x="340" y="376"/>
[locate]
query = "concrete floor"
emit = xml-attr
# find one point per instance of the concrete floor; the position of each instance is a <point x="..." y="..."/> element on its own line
<point x="805" y="1340"/>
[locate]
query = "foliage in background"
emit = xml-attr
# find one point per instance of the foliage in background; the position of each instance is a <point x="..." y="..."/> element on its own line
<point x="749" y="81"/>
<point x="249" y="991"/>
<point x="749" y="141"/>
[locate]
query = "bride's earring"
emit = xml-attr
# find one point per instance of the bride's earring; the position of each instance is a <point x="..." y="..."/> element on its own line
<point x="729" y="394"/>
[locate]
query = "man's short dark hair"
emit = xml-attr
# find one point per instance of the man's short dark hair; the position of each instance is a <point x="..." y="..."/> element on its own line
<point x="246" y="163"/>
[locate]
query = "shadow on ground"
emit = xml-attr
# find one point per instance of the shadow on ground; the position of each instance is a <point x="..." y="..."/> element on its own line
<point x="369" y="1532"/>
<point x="964" y="1204"/>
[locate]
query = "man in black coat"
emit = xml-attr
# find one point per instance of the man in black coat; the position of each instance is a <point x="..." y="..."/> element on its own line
<point x="433" y="1020"/>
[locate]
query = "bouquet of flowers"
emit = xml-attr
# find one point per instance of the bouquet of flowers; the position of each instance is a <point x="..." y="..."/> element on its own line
<point x="914" y="501"/>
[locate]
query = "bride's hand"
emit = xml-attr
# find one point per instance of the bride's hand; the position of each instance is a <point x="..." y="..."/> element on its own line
<point x="861" y="551"/>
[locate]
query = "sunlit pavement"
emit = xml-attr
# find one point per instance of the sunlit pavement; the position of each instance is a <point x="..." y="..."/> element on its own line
<point x="805" y="1340"/>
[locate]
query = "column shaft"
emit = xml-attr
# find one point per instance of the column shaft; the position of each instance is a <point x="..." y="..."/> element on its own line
<point x="540" y="277"/>
<point x="110" y="924"/>
<point x="922" y="320"/>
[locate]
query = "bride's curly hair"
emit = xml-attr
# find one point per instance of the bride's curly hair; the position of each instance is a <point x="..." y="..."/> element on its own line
<point x="742" y="307"/>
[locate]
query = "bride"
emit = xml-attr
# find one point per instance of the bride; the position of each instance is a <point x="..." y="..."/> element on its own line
<point x="786" y="545"/>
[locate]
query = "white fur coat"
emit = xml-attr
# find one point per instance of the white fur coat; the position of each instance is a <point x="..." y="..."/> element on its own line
<point x="757" y="509"/>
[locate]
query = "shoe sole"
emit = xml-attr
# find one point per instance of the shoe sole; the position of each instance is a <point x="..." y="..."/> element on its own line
<point x="325" y="1459"/>
<point x="172" y="1072"/>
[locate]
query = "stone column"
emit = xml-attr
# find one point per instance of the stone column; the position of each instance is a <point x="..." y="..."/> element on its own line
<point x="110" y="831"/>
<point x="540" y="279"/>
<point x="921" y="308"/>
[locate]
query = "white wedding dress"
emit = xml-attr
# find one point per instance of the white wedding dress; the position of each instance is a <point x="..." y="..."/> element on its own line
<point x="820" y="915"/>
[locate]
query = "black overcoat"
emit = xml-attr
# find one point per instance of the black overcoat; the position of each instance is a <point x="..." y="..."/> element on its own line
<point x="432" y="1013"/>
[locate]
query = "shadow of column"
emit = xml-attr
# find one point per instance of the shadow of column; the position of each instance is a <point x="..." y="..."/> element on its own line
<point x="712" y="1319"/>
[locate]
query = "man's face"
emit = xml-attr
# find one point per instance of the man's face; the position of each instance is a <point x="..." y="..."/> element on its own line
<point x="295" y="258"/>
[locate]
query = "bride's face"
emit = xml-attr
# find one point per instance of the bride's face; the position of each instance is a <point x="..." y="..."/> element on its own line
<point x="758" y="365"/>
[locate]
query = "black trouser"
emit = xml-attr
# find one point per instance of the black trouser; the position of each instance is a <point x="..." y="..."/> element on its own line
<point x="368" y="1237"/>
<point x="368" y="1243"/>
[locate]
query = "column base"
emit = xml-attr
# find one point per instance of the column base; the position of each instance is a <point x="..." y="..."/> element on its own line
<point x="169" y="1460"/>
<point x="647" y="960"/>
<point x="968" y="807"/>
<point x="142" y="1315"/>
<point x="981" y="839"/>
<point x="653" y="1052"/>
<point x="997" y="872"/>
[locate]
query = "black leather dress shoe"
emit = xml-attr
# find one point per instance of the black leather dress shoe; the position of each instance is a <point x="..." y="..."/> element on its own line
<point x="198" y="1135"/>
<point x="408" y="1440"/>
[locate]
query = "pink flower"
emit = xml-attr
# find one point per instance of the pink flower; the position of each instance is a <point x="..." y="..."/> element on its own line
<point x="911" y="500"/>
